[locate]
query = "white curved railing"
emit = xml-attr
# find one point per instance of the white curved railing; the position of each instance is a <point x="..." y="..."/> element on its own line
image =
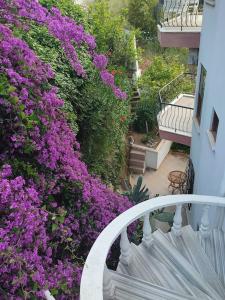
<point x="93" y="272"/>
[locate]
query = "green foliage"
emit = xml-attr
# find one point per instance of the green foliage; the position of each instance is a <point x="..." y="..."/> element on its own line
<point x="103" y="123"/>
<point x="91" y="108"/>
<point x="110" y="33"/>
<point x="138" y="194"/>
<point x="160" y="72"/>
<point x="142" y="15"/>
<point x="146" y="113"/>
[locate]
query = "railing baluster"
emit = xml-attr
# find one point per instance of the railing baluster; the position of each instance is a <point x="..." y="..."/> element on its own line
<point x="108" y="288"/>
<point x="204" y="227"/>
<point x="125" y="248"/>
<point x="147" y="239"/>
<point x="177" y="221"/>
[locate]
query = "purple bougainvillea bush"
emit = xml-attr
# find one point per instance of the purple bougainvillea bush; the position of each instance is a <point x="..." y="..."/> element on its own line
<point x="51" y="209"/>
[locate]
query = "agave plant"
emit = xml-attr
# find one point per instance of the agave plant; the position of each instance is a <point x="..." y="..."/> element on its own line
<point x="138" y="194"/>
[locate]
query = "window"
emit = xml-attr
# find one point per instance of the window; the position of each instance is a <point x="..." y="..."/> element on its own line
<point x="201" y="92"/>
<point x="214" y="125"/>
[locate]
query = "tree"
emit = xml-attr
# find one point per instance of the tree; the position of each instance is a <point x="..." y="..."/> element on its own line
<point x="142" y="15"/>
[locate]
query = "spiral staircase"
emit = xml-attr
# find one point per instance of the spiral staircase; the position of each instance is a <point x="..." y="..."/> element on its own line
<point x="180" y="264"/>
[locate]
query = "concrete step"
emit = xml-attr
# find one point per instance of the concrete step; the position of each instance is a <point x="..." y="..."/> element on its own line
<point x="138" y="148"/>
<point x="181" y="264"/>
<point x="129" y="288"/>
<point x="136" y="163"/>
<point x="214" y="247"/>
<point x="188" y="245"/>
<point x="134" y="104"/>
<point x="136" y="170"/>
<point x="136" y="98"/>
<point x="137" y="155"/>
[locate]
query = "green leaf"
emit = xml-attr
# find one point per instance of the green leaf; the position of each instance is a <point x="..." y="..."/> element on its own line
<point x="54" y="227"/>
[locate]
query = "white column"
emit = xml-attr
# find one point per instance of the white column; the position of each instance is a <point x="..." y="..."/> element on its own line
<point x="125" y="248"/>
<point x="108" y="288"/>
<point x="204" y="227"/>
<point x="147" y="239"/>
<point x="177" y="221"/>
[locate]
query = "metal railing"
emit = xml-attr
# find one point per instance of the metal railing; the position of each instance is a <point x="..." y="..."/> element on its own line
<point x="97" y="282"/>
<point x="173" y="114"/>
<point x="181" y="13"/>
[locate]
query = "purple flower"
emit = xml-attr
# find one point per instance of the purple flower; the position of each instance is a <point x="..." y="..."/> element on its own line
<point x="100" y="61"/>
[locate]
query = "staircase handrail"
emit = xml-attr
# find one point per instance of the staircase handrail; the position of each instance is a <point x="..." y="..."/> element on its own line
<point x="95" y="265"/>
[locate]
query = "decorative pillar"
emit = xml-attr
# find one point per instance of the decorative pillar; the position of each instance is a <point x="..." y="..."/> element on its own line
<point x="177" y="221"/>
<point x="204" y="227"/>
<point x="125" y="248"/>
<point x="147" y="239"/>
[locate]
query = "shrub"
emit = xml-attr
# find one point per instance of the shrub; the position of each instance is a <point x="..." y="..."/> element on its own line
<point x="146" y="113"/>
<point x="51" y="209"/>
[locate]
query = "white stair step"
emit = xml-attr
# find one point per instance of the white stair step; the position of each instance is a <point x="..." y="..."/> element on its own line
<point x="214" y="247"/>
<point x="181" y="264"/>
<point x="188" y="245"/>
<point x="129" y="288"/>
<point x="146" y="267"/>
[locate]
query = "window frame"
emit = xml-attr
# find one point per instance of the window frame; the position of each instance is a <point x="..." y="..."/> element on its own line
<point x="214" y="125"/>
<point x="201" y="93"/>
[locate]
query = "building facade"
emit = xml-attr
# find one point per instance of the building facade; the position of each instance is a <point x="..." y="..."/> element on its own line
<point x="208" y="136"/>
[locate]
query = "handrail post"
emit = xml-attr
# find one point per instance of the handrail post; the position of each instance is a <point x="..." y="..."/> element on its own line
<point x="177" y="221"/>
<point x="125" y="248"/>
<point x="147" y="239"/>
<point x="204" y="227"/>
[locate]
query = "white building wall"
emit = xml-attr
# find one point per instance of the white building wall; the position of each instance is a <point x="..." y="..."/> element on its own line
<point x="209" y="163"/>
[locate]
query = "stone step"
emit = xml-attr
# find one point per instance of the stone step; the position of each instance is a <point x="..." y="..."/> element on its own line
<point x="136" y="98"/>
<point x="134" y="103"/>
<point x="136" y="163"/>
<point x="137" y="155"/>
<point x="138" y="148"/>
<point x="137" y="170"/>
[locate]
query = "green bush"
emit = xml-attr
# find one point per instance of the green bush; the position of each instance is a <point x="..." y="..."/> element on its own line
<point x="110" y="33"/>
<point x="103" y="123"/>
<point x="91" y="108"/>
<point x="146" y="113"/>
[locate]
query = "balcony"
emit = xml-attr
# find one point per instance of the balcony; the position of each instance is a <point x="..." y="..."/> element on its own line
<point x="180" y="23"/>
<point x="177" y="265"/>
<point x="177" y="105"/>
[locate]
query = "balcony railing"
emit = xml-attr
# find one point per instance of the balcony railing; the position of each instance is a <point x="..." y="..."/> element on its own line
<point x="181" y="13"/>
<point x="177" y="104"/>
<point x="97" y="282"/>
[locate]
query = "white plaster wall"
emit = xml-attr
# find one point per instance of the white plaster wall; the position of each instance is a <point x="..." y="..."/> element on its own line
<point x="209" y="164"/>
<point x="154" y="157"/>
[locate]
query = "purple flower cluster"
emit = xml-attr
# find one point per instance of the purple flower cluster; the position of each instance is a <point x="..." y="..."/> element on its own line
<point x="50" y="219"/>
<point x="66" y="30"/>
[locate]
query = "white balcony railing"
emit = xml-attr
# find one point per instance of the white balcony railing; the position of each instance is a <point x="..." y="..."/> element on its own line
<point x="96" y="281"/>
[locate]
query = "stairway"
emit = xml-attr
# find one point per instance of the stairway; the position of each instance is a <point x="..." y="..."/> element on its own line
<point x="136" y="97"/>
<point x="173" y="267"/>
<point x="137" y="160"/>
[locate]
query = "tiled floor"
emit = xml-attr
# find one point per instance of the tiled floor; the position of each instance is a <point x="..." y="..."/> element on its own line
<point x="157" y="181"/>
